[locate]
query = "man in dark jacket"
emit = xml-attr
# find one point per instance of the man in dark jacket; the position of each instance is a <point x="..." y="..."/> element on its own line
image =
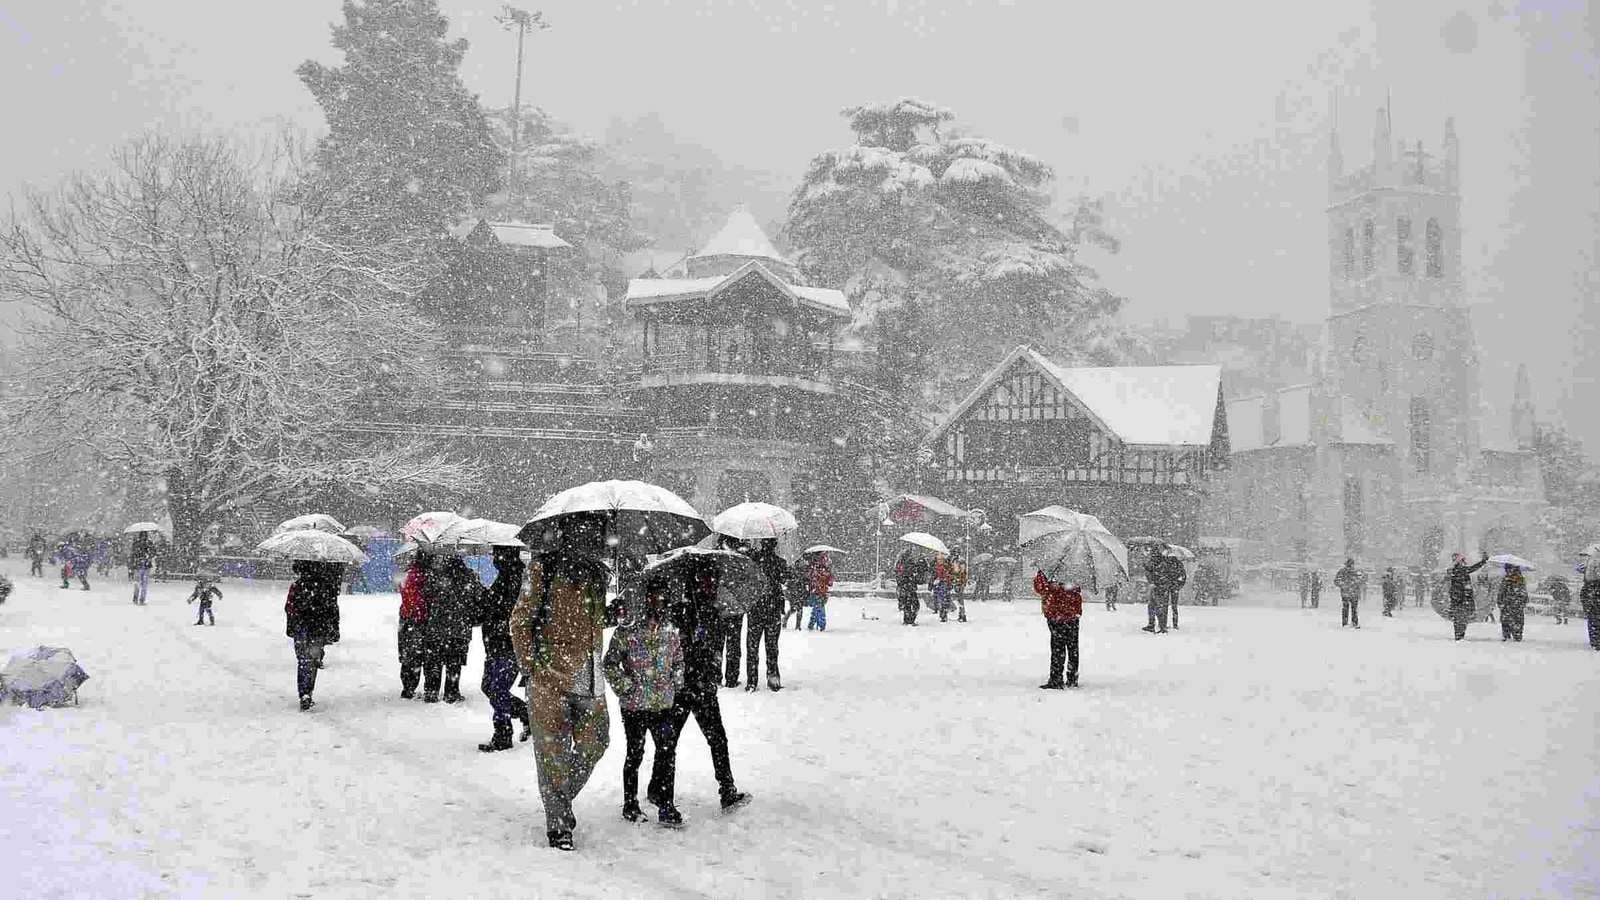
<point x="311" y="616"/>
<point x="493" y="615"/>
<point x="1349" y="582"/>
<point x="703" y="639"/>
<point x="36" y="554"/>
<point x="1167" y="575"/>
<point x="1316" y="589"/>
<point x="141" y="559"/>
<point x="1459" y="580"/>
<point x="766" y="616"/>
<point x="451" y="588"/>
<point x="909" y="574"/>
<point x="1392" y="592"/>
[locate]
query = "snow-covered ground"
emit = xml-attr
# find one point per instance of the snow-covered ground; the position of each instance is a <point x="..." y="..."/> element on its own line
<point x="1259" y="752"/>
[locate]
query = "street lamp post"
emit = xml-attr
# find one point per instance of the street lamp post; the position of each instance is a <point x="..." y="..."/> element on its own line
<point x="511" y="17"/>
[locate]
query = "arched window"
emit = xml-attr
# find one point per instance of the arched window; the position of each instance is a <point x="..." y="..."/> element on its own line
<point x="1421" y="434"/>
<point x="1422" y="347"/>
<point x="1435" y="239"/>
<point x="1405" y="257"/>
<point x="1369" y="247"/>
<point x="1349" y="253"/>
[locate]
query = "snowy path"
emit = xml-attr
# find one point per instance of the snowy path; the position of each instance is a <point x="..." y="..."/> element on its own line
<point x="1259" y="752"/>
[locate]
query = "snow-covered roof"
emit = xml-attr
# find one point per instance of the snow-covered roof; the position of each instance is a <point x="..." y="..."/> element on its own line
<point x="741" y="235"/>
<point x="648" y="291"/>
<point x="1155" y="406"/>
<point x="515" y="234"/>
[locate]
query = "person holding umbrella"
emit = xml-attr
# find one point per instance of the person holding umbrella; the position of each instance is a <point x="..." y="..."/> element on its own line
<point x="1513" y="603"/>
<point x="411" y="628"/>
<point x="766" y="616"/>
<point x="141" y="559"/>
<point x="557" y="628"/>
<point x="1459" y="580"/>
<point x="908" y="574"/>
<point x="311" y="620"/>
<point x="1062" y="606"/>
<point x="493" y="615"/>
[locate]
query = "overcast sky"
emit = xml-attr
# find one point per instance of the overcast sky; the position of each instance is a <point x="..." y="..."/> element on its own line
<point x="1204" y="125"/>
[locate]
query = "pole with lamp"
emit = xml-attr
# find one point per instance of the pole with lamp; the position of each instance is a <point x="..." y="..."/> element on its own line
<point x="520" y="19"/>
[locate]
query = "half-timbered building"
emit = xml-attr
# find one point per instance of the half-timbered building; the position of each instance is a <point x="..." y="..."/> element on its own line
<point x="1135" y="446"/>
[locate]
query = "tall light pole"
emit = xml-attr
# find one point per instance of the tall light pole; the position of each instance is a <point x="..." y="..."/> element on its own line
<point x="520" y="19"/>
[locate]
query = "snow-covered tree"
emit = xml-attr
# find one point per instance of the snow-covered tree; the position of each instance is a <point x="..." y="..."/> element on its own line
<point x="193" y="327"/>
<point x="949" y="248"/>
<point x="408" y="152"/>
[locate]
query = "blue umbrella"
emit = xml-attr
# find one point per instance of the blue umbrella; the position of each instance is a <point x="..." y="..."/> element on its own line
<point x="43" y="676"/>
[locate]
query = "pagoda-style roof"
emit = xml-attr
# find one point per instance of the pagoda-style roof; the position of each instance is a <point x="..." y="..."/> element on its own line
<point x="690" y="296"/>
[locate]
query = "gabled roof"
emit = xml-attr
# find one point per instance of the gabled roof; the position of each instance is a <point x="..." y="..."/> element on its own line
<point x="649" y="291"/>
<point x="512" y="234"/>
<point x="1151" y="406"/>
<point x="741" y="235"/>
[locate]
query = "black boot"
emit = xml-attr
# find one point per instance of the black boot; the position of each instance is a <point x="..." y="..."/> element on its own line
<point x="501" y="739"/>
<point x="560" y="840"/>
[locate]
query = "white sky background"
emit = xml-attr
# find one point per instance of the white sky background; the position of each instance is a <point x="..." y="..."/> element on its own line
<point x="1203" y="124"/>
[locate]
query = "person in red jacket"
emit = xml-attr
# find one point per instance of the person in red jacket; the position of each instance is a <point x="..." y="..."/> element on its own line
<point x="413" y="621"/>
<point x="1063" y="607"/>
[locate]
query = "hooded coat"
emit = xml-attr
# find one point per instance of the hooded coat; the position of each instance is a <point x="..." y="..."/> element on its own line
<point x="558" y="626"/>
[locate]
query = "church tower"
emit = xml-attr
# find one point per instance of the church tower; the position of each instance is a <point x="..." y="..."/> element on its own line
<point x="1400" y="343"/>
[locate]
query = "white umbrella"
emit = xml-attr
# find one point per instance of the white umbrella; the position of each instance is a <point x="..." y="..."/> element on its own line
<point x="925" y="540"/>
<point x="1045" y="521"/>
<point x="1179" y="551"/>
<point x="823" y="548"/>
<point x="754" y="521"/>
<point x="307" y="544"/>
<point x="461" y="531"/>
<point x="649" y="518"/>
<point x="314" y="522"/>
<point x="429" y="527"/>
<point x="1511" y="559"/>
<point x="137" y="527"/>
<point x="495" y="534"/>
<point x="1084" y="552"/>
<point x="43" y="676"/>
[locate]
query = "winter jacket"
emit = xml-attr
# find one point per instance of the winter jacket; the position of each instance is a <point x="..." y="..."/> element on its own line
<point x="493" y="612"/>
<point x="142" y="555"/>
<point x="1166" y="573"/>
<point x="1058" y="602"/>
<point x="1460" y="582"/>
<point x="941" y="570"/>
<point x="819" y="576"/>
<point x="1391" y="588"/>
<point x="1560" y="594"/>
<point x="451" y="590"/>
<point x="413" y="601"/>
<point x="1349" y="582"/>
<point x="205" y="593"/>
<point x="36" y="548"/>
<point x="558" y="627"/>
<point x="645" y="665"/>
<point x="775" y="571"/>
<point x="958" y="574"/>
<point x="311" y="611"/>
<point x="1513" y="591"/>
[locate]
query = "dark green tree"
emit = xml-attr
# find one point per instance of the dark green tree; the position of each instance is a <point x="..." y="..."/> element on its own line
<point x="920" y="208"/>
<point x="409" y="151"/>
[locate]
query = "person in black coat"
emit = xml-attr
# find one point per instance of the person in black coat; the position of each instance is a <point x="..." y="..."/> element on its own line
<point x="311" y="620"/>
<point x="452" y="588"/>
<point x="909" y="573"/>
<point x="766" y="616"/>
<point x="703" y="633"/>
<point x="1459" y="580"/>
<point x="493" y="615"/>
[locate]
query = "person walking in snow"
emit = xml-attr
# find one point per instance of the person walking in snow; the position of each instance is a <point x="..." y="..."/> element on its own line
<point x="958" y="584"/>
<point x="1560" y="599"/>
<point x="799" y="599"/>
<point x="1167" y="576"/>
<point x="452" y="591"/>
<point x="141" y="559"/>
<point x="1459" y="582"/>
<point x="74" y="559"/>
<point x="766" y="616"/>
<point x="1513" y="604"/>
<point x="700" y="628"/>
<point x="1349" y="582"/>
<point x="493" y="615"/>
<point x="1112" y="590"/>
<point x="1316" y="589"/>
<point x="1305" y="587"/>
<point x="557" y="627"/>
<point x="1422" y="589"/>
<point x="311" y="620"/>
<point x="411" y="634"/>
<point x="1589" y="596"/>
<point x="1062" y="606"/>
<point x="36" y="554"/>
<point x="818" y="582"/>
<point x="939" y="586"/>
<point x="645" y="667"/>
<point x="207" y="592"/>
<point x="909" y="572"/>
<point x="1392" y="592"/>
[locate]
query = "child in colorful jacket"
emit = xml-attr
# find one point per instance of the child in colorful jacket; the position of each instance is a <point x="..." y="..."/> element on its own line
<point x="645" y="666"/>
